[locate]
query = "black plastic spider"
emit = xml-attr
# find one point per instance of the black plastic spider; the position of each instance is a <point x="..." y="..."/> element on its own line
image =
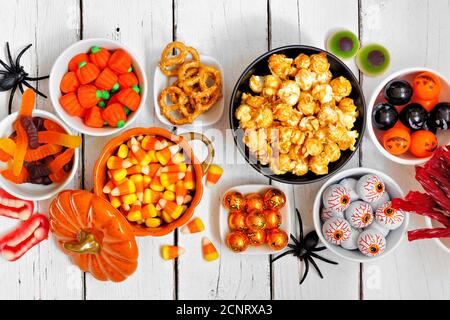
<point x="14" y="76"/>
<point x="305" y="249"/>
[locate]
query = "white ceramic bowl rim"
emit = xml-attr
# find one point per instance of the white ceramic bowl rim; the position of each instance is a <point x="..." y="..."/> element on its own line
<point x="371" y="104"/>
<point x="18" y="191"/>
<point x="62" y="61"/>
<point x="360" y="171"/>
<point x="440" y="244"/>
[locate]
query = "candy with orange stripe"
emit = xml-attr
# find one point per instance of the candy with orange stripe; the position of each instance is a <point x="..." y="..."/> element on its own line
<point x="210" y="252"/>
<point x="194" y="226"/>
<point x="171" y="252"/>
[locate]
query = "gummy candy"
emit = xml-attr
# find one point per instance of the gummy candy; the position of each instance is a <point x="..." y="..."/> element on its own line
<point x="62" y="139"/>
<point x="58" y="163"/>
<point x="42" y="152"/>
<point x="51" y="125"/>
<point x="28" y="125"/>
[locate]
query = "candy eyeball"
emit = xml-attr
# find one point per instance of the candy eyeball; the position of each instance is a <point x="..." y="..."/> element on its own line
<point x="350" y="185"/>
<point x="336" y="198"/>
<point x="359" y="214"/>
<point x="352" y="242"/>
<point x="326" y="214"/>
<point x="376" y="227"/>
<point x="384" y="198"/>
<point x="336" y="230"/>
<point x="371" y="243"/>
<point x="370" y="188"/>
<point x="389" y="217"/>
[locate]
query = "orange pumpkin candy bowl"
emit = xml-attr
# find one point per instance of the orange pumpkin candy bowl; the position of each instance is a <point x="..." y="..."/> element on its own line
<point x="199" y="169"/>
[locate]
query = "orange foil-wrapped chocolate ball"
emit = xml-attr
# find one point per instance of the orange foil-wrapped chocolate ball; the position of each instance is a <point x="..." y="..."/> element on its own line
<point x="254" y="202"/>
<point x="277" y="239"/>
<point x="255" y="221"/>
<point x="234" y="201"/>
<point x="257" y="237"/>
<point x="236" y="221"/>
<point x="274" y="199"/>
<point x="237" y="241"/>
<point x="273" y="219"/>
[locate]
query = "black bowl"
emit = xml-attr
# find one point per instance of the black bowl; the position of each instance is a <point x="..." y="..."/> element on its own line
<point x="260" y="67"/>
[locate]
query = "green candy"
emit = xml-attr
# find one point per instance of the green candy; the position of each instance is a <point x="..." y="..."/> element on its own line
<point x="105" y="123"/>
<point x="127" y="110"/>
<point x="82" y="64"/>
<point x="136" y="88"/>
<point x="373" y="59"/>
<point x="101" y="104"/>
<point x="115" y="87"/>
<point x="102" y="94"/>
<point x="343" y="44"/>
<point x="95" y="49"/>
<point x="120" y="124"/>
<point x="130" y="69"/>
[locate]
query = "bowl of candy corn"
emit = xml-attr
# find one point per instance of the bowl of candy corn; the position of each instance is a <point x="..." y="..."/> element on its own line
<point x="98" y="86"/>
<point x="38" y="153"/>
<point x="153" y="177"/>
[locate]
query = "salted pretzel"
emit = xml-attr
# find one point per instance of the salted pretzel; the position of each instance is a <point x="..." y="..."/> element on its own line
<point x="170" y="63"/>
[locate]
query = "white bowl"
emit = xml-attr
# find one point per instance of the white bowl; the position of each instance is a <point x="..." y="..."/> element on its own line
<point x="60" y="67"/>
<point x="377" y="135"/>
<point x="29" y="191"/>
<point x="443" y="243"/>
<point x="223" y="218"/>
<point x="210" y="117"/>
<point x="394" y="237"/>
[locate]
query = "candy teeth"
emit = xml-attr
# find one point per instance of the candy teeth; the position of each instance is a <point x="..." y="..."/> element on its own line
<point x="25" y="234"/>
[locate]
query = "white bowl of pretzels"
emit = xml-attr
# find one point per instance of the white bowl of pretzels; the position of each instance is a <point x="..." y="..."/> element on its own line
<point x="187" y="87"/>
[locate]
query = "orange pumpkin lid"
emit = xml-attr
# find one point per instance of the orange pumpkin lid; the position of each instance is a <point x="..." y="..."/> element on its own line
<point x="94" y="234"/>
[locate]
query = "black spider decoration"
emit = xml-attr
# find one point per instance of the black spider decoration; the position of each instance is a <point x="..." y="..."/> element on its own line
<point x="305" y="249"/>
<point x="14" y="76"/>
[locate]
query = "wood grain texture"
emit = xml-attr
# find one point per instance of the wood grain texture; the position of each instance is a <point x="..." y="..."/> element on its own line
<point x="416" y="34"/>
<point x="143" y="26"/>
<point x="235" y="33"/>
<point x="299" y="22"/>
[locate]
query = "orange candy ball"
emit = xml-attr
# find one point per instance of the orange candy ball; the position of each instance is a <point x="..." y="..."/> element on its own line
<point x="234" y="201"/>
<point x="255" y="221"/>
<point x="237" y="241"/>
<point x="254" y="202"/>
<point x="397" y="140"/>
<point x="277" y="239"/>
<point x="257" y="237"/>
<point x="273" y="219"/>
<point x="274" y="199"/>
<point x="423" y="143"/>
<point x="236" y="221"/>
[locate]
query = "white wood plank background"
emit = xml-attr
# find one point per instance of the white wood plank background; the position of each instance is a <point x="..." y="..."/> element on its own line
<point x="234" y="32"/>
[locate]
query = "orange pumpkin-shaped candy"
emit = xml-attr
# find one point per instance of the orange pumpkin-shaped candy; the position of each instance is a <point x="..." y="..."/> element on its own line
<point x="93" y="118"/>
<point x="129" y="98"/>
<point x="69" y="83"/>
<point x="99" y="56"/>
<point x="94" y="234"/>
<point x="254" y="202"/>
<point x="87" y="72"/>
<point x="115" y="115"/>
<point x="71" y="105"/>
<point x="76" y="60"/>
<point x="89" y="95"/>
<point x="120" y="61"/>
<point x="107" y="80"/>
<point x="128" y="79"/>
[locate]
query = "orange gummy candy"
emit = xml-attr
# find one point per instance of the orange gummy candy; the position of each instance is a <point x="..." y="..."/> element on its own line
<point x="59" y="138"/>
<point x="62" y="159"/>
<point x="4" y="157"/>
<point x="21" y="148"/>
<point x="58" y="176"/>
<point x="51" y="125"/>
<point x="42" y="152"/>
<point x="27" y="105"/>
<point x="21" y="178"/>
<point x="8" y="146"/>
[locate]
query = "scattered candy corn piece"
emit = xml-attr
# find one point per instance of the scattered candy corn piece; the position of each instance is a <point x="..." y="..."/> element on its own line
<point x="213" y="175"/>
<point x="171" y="252"/>
<point x="210" y="252"/>
<point x="194" y="226"/>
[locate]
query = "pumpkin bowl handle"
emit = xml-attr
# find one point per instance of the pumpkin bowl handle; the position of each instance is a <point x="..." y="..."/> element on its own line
<point x="190" y="136"/>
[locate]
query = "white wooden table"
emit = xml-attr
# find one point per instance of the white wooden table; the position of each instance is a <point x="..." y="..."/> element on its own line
<point x="417" y="33"/>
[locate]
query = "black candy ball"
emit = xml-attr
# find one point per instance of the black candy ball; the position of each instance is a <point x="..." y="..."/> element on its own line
<point x="384" y="116"/>
<point x="430" y="125"/>
<point x="441" y="115"/>
<point x="398" y="92"/>
<point x="413" y="116"/>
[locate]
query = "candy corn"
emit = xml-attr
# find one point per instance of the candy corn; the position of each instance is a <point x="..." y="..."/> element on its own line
<point x="115" y="202"/>
<point x="124" y="188"/>
<point x="142" y="157"/>
<point x="194" y="226"/>
<point x="135" y="213"/>
<point x="152" y="143"/>
<point x="129" y="198"/>
<point x="118" y="174"/>
<point x="153" y="222"/>
<point x="108" y="187"/>
<point x="171" y="252"/>
<point x="189" y="182"/>
<point x="153" y="169"/>
<point x="170" y="207"/>
<point x="213" y="175"/>
<point x="166" y="217"/>
<point x="156" y="185"/>
<point x="149" y="211"/>
<point x="177" y="159"/>
<point x="152" y="154"/>
<point x="171" y="187"/>
<point x="138" y="180"/>
<point x="147" y="181"/>
<point x="209" y="251"/>
<point x="169" y="178"/>
<point x="166" y="154"/>
<point x="169" y="195"/>
<point x="134" y="169"/>
<point x="122" y="152"/>
<point x="180" y="192"/>
<point x="181" y="167"/>
<point x="118" y="163"/>
<point x="151" y="196"/>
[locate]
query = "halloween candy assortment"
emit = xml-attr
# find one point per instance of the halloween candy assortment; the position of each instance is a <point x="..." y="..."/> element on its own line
<point x="297" y="119"/>
<point x="357" y="214"/>
<point x="411" y="115"/>
<point x="100" y="87"/>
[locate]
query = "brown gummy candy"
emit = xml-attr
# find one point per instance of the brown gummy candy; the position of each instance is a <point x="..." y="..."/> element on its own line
<point x="32" y="133"/>
<point x="37" y="170"/>
<point x="39" y="123"/>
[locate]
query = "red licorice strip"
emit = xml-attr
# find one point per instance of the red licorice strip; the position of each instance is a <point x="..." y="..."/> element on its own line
<point x="423" y="211"/>
<point x="13" y="207"/>
<point x="428" y="233"/>
<point x="432" y="188"/>
<point x="421" y="199"/>
<point x="31" y="232"/>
